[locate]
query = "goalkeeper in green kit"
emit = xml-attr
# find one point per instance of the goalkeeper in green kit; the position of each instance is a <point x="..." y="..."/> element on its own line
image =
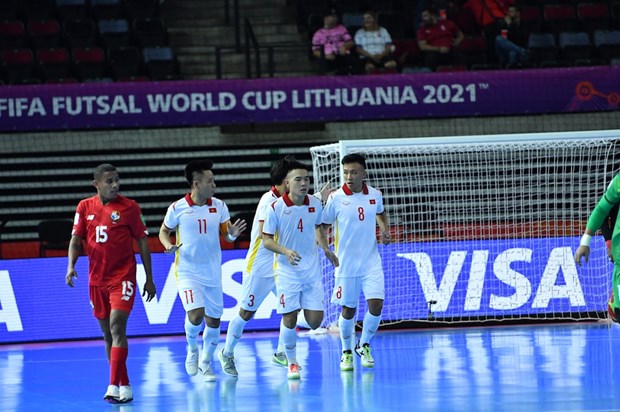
<point x="604" y="217"/>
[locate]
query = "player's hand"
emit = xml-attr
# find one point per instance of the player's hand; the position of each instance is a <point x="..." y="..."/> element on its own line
<point x="236" y="228"/>
<point x="149" y="290"/>
<point x="386" y="238"/>
<point x="326" y="191"/>
<point x="293" y="257"/>
<point x="71" y="273"/>
<point x="609" y="255"/>
<point x="582" y="251"/>
<point x="331" y="256"/>
<point x="173" y="248"/>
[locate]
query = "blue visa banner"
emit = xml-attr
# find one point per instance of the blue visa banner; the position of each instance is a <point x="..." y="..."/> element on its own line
<point x="464" y="278"/>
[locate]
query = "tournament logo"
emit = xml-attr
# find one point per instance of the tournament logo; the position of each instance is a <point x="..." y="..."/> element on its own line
<point x="115" y="216"/>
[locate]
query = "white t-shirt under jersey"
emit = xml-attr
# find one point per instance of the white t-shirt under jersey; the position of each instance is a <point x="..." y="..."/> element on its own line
<point x="198" y="230"/>
<point x="294" y="228"/>
<point x="355" y="229"/>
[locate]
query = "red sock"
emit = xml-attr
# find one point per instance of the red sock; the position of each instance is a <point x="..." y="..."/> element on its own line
<point x="118" y="366"/>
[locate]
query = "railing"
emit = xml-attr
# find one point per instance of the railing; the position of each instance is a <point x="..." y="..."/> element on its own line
<point x="249" y="43"/>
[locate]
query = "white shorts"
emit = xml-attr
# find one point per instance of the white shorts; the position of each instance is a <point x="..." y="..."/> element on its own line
<point x="255" y="290"/>
<point x="292" y="297"/>
<point x="195" y="295"/>
<point x="347" y="290"/>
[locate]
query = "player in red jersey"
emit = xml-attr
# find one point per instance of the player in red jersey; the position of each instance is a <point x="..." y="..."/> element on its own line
<point x="109" y="223"/>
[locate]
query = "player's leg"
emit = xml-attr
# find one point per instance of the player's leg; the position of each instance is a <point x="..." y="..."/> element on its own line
<point x="346" y="295"/>
<point x="255" y="290"/>
<point x="122" y="297"/>
<point x="214" y="307"/>
<point x="193" y="303"/>
<point x="288" y="306"/>
<point x="100" y="300"/>
<point x="373" y="286"/>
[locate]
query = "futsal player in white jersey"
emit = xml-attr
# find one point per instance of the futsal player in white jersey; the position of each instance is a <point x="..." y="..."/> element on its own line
<point x="354" y="210"/>
<point x="258" y="277"/>
<point x="292" y="230"/>
<point x="198" y="220"/>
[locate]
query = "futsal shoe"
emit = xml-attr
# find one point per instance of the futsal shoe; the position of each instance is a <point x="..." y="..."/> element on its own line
<point x="346" y="361"/>
<point x="112" y="394"/>
<point x="279" y="358"/>
<point x="364" y="353"/>
<point x="293" y="371"/>
<point x="125" y="394"/>
<point x="228" y="364"/>
<point x="191" y="362"/>
<point x="206" y="371"/>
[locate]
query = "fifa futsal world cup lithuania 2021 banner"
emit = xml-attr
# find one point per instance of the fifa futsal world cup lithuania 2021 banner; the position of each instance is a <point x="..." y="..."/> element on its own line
<point x="221" y="102"/>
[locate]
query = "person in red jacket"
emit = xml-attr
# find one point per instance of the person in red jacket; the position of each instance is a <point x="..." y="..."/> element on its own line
<point x="438" y="40"/>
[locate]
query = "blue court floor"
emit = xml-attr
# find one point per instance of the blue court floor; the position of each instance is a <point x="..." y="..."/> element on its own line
<point x="560" y="367"/>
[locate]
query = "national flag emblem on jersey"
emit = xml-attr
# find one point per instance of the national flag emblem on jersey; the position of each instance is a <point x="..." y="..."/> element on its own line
<point x="311" y="210"/>
<point x="373" y="201"/>
<point x="212" y="210"/>
<point x="115" y="216"/>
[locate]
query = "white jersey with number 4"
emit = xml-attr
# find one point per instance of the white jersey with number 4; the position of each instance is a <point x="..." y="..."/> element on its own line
<point x="259" y="261"/>
<point x="198" y="231"/>
<point x="355" y="229"/>
<point x="294" y="228"/>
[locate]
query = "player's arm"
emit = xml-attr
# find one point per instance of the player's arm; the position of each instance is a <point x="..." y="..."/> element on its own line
<point x="74" y="252"/>
<point x="164" y="238"/>
<point x="145" y="253"/>
<point x="382" y="221"/>
<point x="231" y="231"/>
<point x="270" y="244"/>
<point x="321" y="239"/>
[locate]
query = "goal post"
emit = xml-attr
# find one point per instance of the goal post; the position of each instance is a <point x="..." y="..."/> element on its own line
<point x="484" y="227"/>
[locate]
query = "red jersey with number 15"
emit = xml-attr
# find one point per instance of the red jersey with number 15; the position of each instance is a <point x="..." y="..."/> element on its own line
<point x="109" y="231"/>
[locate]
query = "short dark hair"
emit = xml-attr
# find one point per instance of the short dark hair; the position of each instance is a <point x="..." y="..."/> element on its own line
<point x="297" y="165"/>
<point x="279" y="170"/>
<point x="197" y="166"/>
<point x="101" y="169"/>
<point x="354" y="158"/>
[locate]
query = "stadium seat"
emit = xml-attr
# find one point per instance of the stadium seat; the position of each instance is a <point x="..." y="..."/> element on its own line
<point x="124" y="62"/>
<point x="150" y="32"/>
<point x="314" y="22"/>
<point x="141" y="9"/>
<point x="38" y="9"/>
<point x="114" y="33"/>
<point x="350" y="19"/>
<point x="560" y="17"/>
<point x="615" y="15"/>
<point x="53" y="63"/>
<point x="593" y="16"/>
<point x="474" y="50"/>
<point x="486" y="66"/>
<point x="160" y="63"/>
<point x="80" y="33"/>
<point x="72" y="9"/>
<point x="465" y="20"/>
<point x="12" y="34"/>
<point x="44" y="33"/>
<point x="531" y="18"/>
<point x="88" y="63"/>
<point x="543" y="47"/>
<point x="575" y="46"/>
<point x="393" y="22"/>
<point x="9" y="10"/>
<point x="445" y="68"/>
<point x="382" y="6"/>
<point x="607" y="43"/>
<point x="18" y="65"/>
<point x="407" y="53"/>
<point x="107" y="9"/>
<point x="54" y="235"/>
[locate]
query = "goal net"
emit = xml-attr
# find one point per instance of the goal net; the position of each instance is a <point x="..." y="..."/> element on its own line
<point x="484" y="227"/>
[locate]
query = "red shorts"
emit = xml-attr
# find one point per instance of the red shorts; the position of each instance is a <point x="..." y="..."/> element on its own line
<point x="119" y="296"/>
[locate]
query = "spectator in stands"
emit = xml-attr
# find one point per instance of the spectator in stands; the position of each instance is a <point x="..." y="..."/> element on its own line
<point x="438" y="40"/>
<point x="511" y="42"/>
<point x="489" y="14"/>
<point x="109" y="223"/>
<point x="332" y="44"/>
<point x="374" y="46"/>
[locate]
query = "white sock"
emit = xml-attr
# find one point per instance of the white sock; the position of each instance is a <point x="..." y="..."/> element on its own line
<point x="235" y="330"/>
<point x="347" y="332"/>
<point x="280" y="343"/>
<point x="371" y="324"/>
<point x="191" y="334"/>
<point x="289" y="339"/>
<point x="210" y="339"/>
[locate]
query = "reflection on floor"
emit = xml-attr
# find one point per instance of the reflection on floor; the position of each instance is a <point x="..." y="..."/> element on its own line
<point x="566" y="367"/>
